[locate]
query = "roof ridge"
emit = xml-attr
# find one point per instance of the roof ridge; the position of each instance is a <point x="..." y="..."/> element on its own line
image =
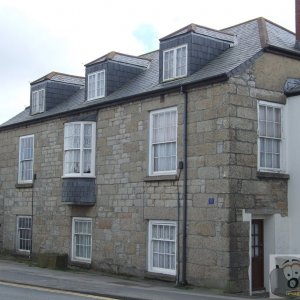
<point x="281" y="27"/>
<point x="50" y="75"/>
<point x="256" y="19"/>
<point x="242" y="23"/>
<point x="130" y="55"/>
<point x="193" y="27"/>
<point x="110" y="56"/>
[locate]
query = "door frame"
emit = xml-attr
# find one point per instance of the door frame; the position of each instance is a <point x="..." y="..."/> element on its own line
<point x="262" y="246"/>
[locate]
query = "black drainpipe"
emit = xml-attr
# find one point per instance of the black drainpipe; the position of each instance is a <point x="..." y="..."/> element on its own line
<point x="32" y="191"/>
<point x="184" y="208"/>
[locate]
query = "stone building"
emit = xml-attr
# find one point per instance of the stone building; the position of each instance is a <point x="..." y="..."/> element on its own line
<point x="171" y="164"/>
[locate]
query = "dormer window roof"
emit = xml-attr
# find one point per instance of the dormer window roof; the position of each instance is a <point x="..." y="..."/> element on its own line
<point x="52" y="89"/>
<point x="203" y="31"/>
<point x="121" y="58"/>
<point x="38" y="101"/>
<point x="110" y="72"/>
<point x="187" y="50"/>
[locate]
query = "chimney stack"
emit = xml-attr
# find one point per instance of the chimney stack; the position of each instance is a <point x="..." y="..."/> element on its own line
<point x="297" y="20"/>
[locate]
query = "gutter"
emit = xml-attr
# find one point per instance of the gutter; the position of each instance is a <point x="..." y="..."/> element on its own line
<point x="183" y="280"/>
<point x="110" y="103"/>
<point x="284" y="52"/>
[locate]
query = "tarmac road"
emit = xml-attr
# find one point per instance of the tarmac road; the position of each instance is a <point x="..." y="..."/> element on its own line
<point x="97" y="284"/>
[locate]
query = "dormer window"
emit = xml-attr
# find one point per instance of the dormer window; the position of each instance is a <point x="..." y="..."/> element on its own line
<point x="96" y="85"/>
<point x="38" y="101"/>
<point x="175" y="63"/>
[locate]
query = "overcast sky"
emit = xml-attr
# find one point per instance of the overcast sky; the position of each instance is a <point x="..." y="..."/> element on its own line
<point x="38" y="37"/>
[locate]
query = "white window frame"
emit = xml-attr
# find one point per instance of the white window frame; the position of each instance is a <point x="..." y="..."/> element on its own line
<point x="73" y="254"/>
<point x="282" y="162"/>
<point x="19" y="237"/>
<point x="20" y="179"/>
<point x="38" y="101"/>
<point x="99" y="90"/>
<point x="151" y="144"/>
<point x="151" y="268"/>
<point x="93" y="150"/>
<point x="175" y="51"/>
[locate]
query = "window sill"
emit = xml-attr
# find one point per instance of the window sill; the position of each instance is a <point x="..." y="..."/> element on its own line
<point x="80" y="264"/>
<point x="36" y="113"/>
<point x="93" y="99"/>
<point x="78" y="176"/>
<point x="161" y="178"/>
<point x="24" y="185"/>
<point x="272" y="175"/>
<point x="160" y="276"/>
<point x="173" y="79"/>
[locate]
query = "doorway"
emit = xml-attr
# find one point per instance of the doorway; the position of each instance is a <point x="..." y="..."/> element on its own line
<point x="257" y="240"/>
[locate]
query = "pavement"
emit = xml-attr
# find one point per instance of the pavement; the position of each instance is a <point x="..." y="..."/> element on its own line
<point x="95" y="283"/>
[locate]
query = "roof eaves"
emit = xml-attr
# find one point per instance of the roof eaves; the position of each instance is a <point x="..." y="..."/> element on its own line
<point x="188" y="28"/>
<point x="109" y="55"/>
<point x="282" y="51"/>
<point x="201" y="82"/>
<point x="193" y="28"/>
<point x="50" y="75"/>
<point x="43" y="78"/>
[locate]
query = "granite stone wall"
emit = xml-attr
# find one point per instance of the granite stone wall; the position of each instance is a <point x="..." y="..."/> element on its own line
<point x="222" y="181"/>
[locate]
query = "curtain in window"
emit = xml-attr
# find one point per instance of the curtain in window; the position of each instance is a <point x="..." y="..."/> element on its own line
<point x="41" y="97"/>
<point x="87" y="148"/>
<point x="83" y="239"/>
<point x="181" y="58"/>
<point x="270" y="136"/>
<point x="163" y="246"/>
<point x="168" y="64"/>
<point x="96" y="85"/>
<point x="26" y="158"/>
<point x="100" y="84"/>
<point x="24" y="233"/>
<point x="38" y="101"/>
<point x="72" y="148"/>
<point x="164" y="141"/>
<point x="92" y="86"/>
<point x="78" y="148"/>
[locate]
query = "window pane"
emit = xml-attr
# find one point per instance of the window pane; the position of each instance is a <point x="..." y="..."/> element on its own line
<point x="87" y="161"/>
<point x="163" y="246"/>
<point x="92" y="86"/>
<point x="24" y="233"/>
<point x="181" y="61"/>
<point x="164" y="140"/>
<point x="262" y="128"/>
<point x="82" y="240"/>
<point x="101" y="84"/>
<point x="72" y="161"/>
<point x="87" y="136"/>
<point x="270" y="127"/>
<point x="26" y="159"/>
<point x="78" y="147"/>
<point x="38" y="101"/>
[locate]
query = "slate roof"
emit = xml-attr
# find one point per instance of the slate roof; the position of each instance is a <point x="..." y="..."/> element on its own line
<point x="212" y="33"/>
<point x="123" y="58"/>
<point x="251" y="39"/>
<point x="65" y="78"/>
